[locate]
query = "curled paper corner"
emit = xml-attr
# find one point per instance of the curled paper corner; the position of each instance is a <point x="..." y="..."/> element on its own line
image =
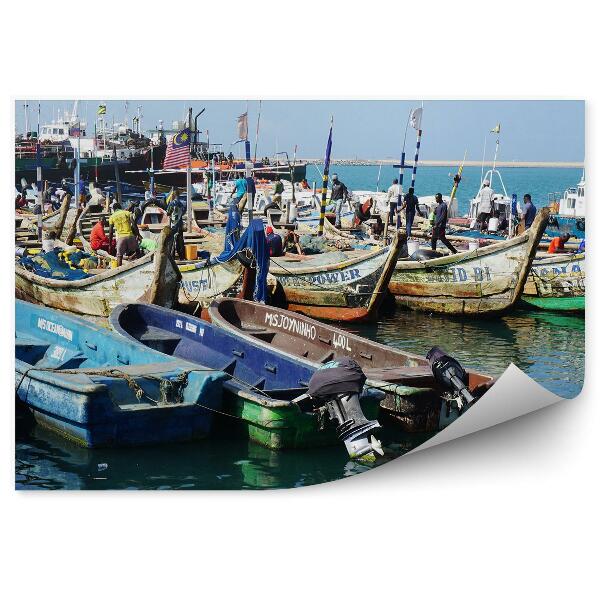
<point x="514" y="394"/>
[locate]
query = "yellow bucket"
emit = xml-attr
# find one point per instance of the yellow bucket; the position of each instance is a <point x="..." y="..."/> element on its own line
<point x="113" y="263"/>
<point x="191" y="252"/>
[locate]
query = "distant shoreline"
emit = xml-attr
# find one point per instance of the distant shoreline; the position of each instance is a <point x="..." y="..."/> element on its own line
<point x="450" y="163"/>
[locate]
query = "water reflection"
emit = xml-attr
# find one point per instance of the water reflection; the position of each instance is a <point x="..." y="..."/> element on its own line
<point x="47" y="461"/>
<point x="550" y="347"/>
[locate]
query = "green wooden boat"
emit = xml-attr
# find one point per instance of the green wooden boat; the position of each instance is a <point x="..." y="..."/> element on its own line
<point x="556" y="282"/>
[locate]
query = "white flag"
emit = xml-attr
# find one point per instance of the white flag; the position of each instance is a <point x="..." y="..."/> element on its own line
<point x="242" y="125"/>
<point x="415" y="117"/>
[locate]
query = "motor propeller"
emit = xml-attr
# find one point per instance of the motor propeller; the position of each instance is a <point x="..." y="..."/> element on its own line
<point x="335" y="390"/>
<point x="449" y="373"/>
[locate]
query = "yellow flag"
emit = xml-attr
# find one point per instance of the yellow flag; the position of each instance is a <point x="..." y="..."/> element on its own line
<point x="496" y="129"/>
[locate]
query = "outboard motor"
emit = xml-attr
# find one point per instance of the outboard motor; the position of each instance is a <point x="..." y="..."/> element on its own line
<point x="449" y="373"/>
<point x="335" y="389"/>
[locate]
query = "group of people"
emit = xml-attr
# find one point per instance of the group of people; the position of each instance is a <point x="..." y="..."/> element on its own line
<point x="123" y="240"/>
<point x="278" y="244"/>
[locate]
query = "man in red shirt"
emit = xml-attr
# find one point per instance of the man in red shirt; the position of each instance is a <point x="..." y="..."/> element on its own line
<point x="98" y="239"/>
<point x="557" y="245"/>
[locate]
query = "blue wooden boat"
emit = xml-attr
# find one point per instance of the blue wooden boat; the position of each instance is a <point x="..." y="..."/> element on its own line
<point x="97" y="389"/>
<point x="260" y="395"/>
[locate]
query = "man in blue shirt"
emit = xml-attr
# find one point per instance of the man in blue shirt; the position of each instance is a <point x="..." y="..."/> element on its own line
<point x="241" y="187"/>
<point x="529" y="211"/>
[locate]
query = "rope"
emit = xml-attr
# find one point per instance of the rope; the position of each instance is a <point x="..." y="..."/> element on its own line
<point x="165" y="385"/>
<point x="168" y="389"/>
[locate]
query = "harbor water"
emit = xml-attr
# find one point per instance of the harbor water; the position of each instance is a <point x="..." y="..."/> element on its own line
<point x="548" y="346"/>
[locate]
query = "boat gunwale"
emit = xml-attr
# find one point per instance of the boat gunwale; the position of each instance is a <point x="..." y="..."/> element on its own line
<point x="285" y="270"/>
<point x="238" y="387"/>
<point x="82" y="283"/>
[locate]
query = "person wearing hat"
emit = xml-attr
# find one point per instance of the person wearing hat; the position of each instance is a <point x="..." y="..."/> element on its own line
<point x="339" y="195"/>
<point x="274" y="242"/>
<point x="439" y="225"/>
<point x="486" y="204"/>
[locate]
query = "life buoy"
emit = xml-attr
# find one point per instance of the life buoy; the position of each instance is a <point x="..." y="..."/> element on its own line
<point x="580" y="225"/>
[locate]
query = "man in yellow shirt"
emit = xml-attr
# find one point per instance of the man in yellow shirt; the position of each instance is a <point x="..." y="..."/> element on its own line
<point x="127" y="233"/>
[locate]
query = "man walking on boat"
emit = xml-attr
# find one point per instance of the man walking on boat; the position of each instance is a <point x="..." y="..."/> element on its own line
<point x="439" y="225"/>
<point x="339" y="195"/>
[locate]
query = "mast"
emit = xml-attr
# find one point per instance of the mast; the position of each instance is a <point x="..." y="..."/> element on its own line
<point x="457" y="179"/>
<point x="117" y="178"/>
<point x="417" y="125"/>
<point x="26" y="109"/>
<point x="401" y="173"/>
<point x="39" y="200"/>
<point x="188" y="178"/>
<point x="257" y="129"/>
<point x="325" y="178"/>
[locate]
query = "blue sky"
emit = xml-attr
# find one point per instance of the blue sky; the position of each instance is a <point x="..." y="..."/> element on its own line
<point x="532" y="130"/>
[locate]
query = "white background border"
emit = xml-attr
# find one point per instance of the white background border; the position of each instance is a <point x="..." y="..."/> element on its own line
<point x="508" y="512"/>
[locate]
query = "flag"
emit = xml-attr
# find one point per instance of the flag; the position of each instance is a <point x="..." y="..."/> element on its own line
<point x="496" y="129"/>
<point x="415" y="117"/>
<point x="242" y="126"/>
<point x="328" y="151"/>
<point x="178" y="150"/>
<point x="102" y="109"/>
<point x="75" y="130"/>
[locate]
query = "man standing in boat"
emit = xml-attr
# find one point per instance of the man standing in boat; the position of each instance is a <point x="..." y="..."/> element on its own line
<point x="393" y="194"/>
<point x="410" y="203"/>
<point x="240" y="189"/>
<point x="127" y="233"/>
<point x="175" y="211"/>
<point x="486" y="205"/>
<point x="339" y="195"/>
<point x="439" y="225"/>
<point x="529" y="211"/>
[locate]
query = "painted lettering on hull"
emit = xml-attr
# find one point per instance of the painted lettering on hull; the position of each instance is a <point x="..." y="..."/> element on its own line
<point x="341" y="341"/>
<point x="287" y="323"/>
<point x="334" y="278"/>
<point x="56" y="328"/>
<point x="459" y="275"/>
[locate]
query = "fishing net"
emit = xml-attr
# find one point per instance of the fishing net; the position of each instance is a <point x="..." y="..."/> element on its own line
<point x="60" y="264"/>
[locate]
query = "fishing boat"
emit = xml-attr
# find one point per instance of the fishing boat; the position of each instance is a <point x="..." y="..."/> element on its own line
<point x="200" y="281"/>
<point x="154" y="278"/>
<point x="337" y="286"/>
<point x="478" y="282"/>
<point x="414" y="399"/>
<point x="260" y="396"/>
<point x="98" y="389"/>
<point x="568" y="211"/>
<point x="556" y="282"/>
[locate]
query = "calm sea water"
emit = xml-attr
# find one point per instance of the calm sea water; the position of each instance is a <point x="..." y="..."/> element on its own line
<point x="430" y="180"/>
<point x="548" y="346"/>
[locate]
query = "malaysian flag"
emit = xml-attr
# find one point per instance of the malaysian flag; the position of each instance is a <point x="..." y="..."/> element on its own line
<point x="178" y="150"/>
<point x="75" y="130"/>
